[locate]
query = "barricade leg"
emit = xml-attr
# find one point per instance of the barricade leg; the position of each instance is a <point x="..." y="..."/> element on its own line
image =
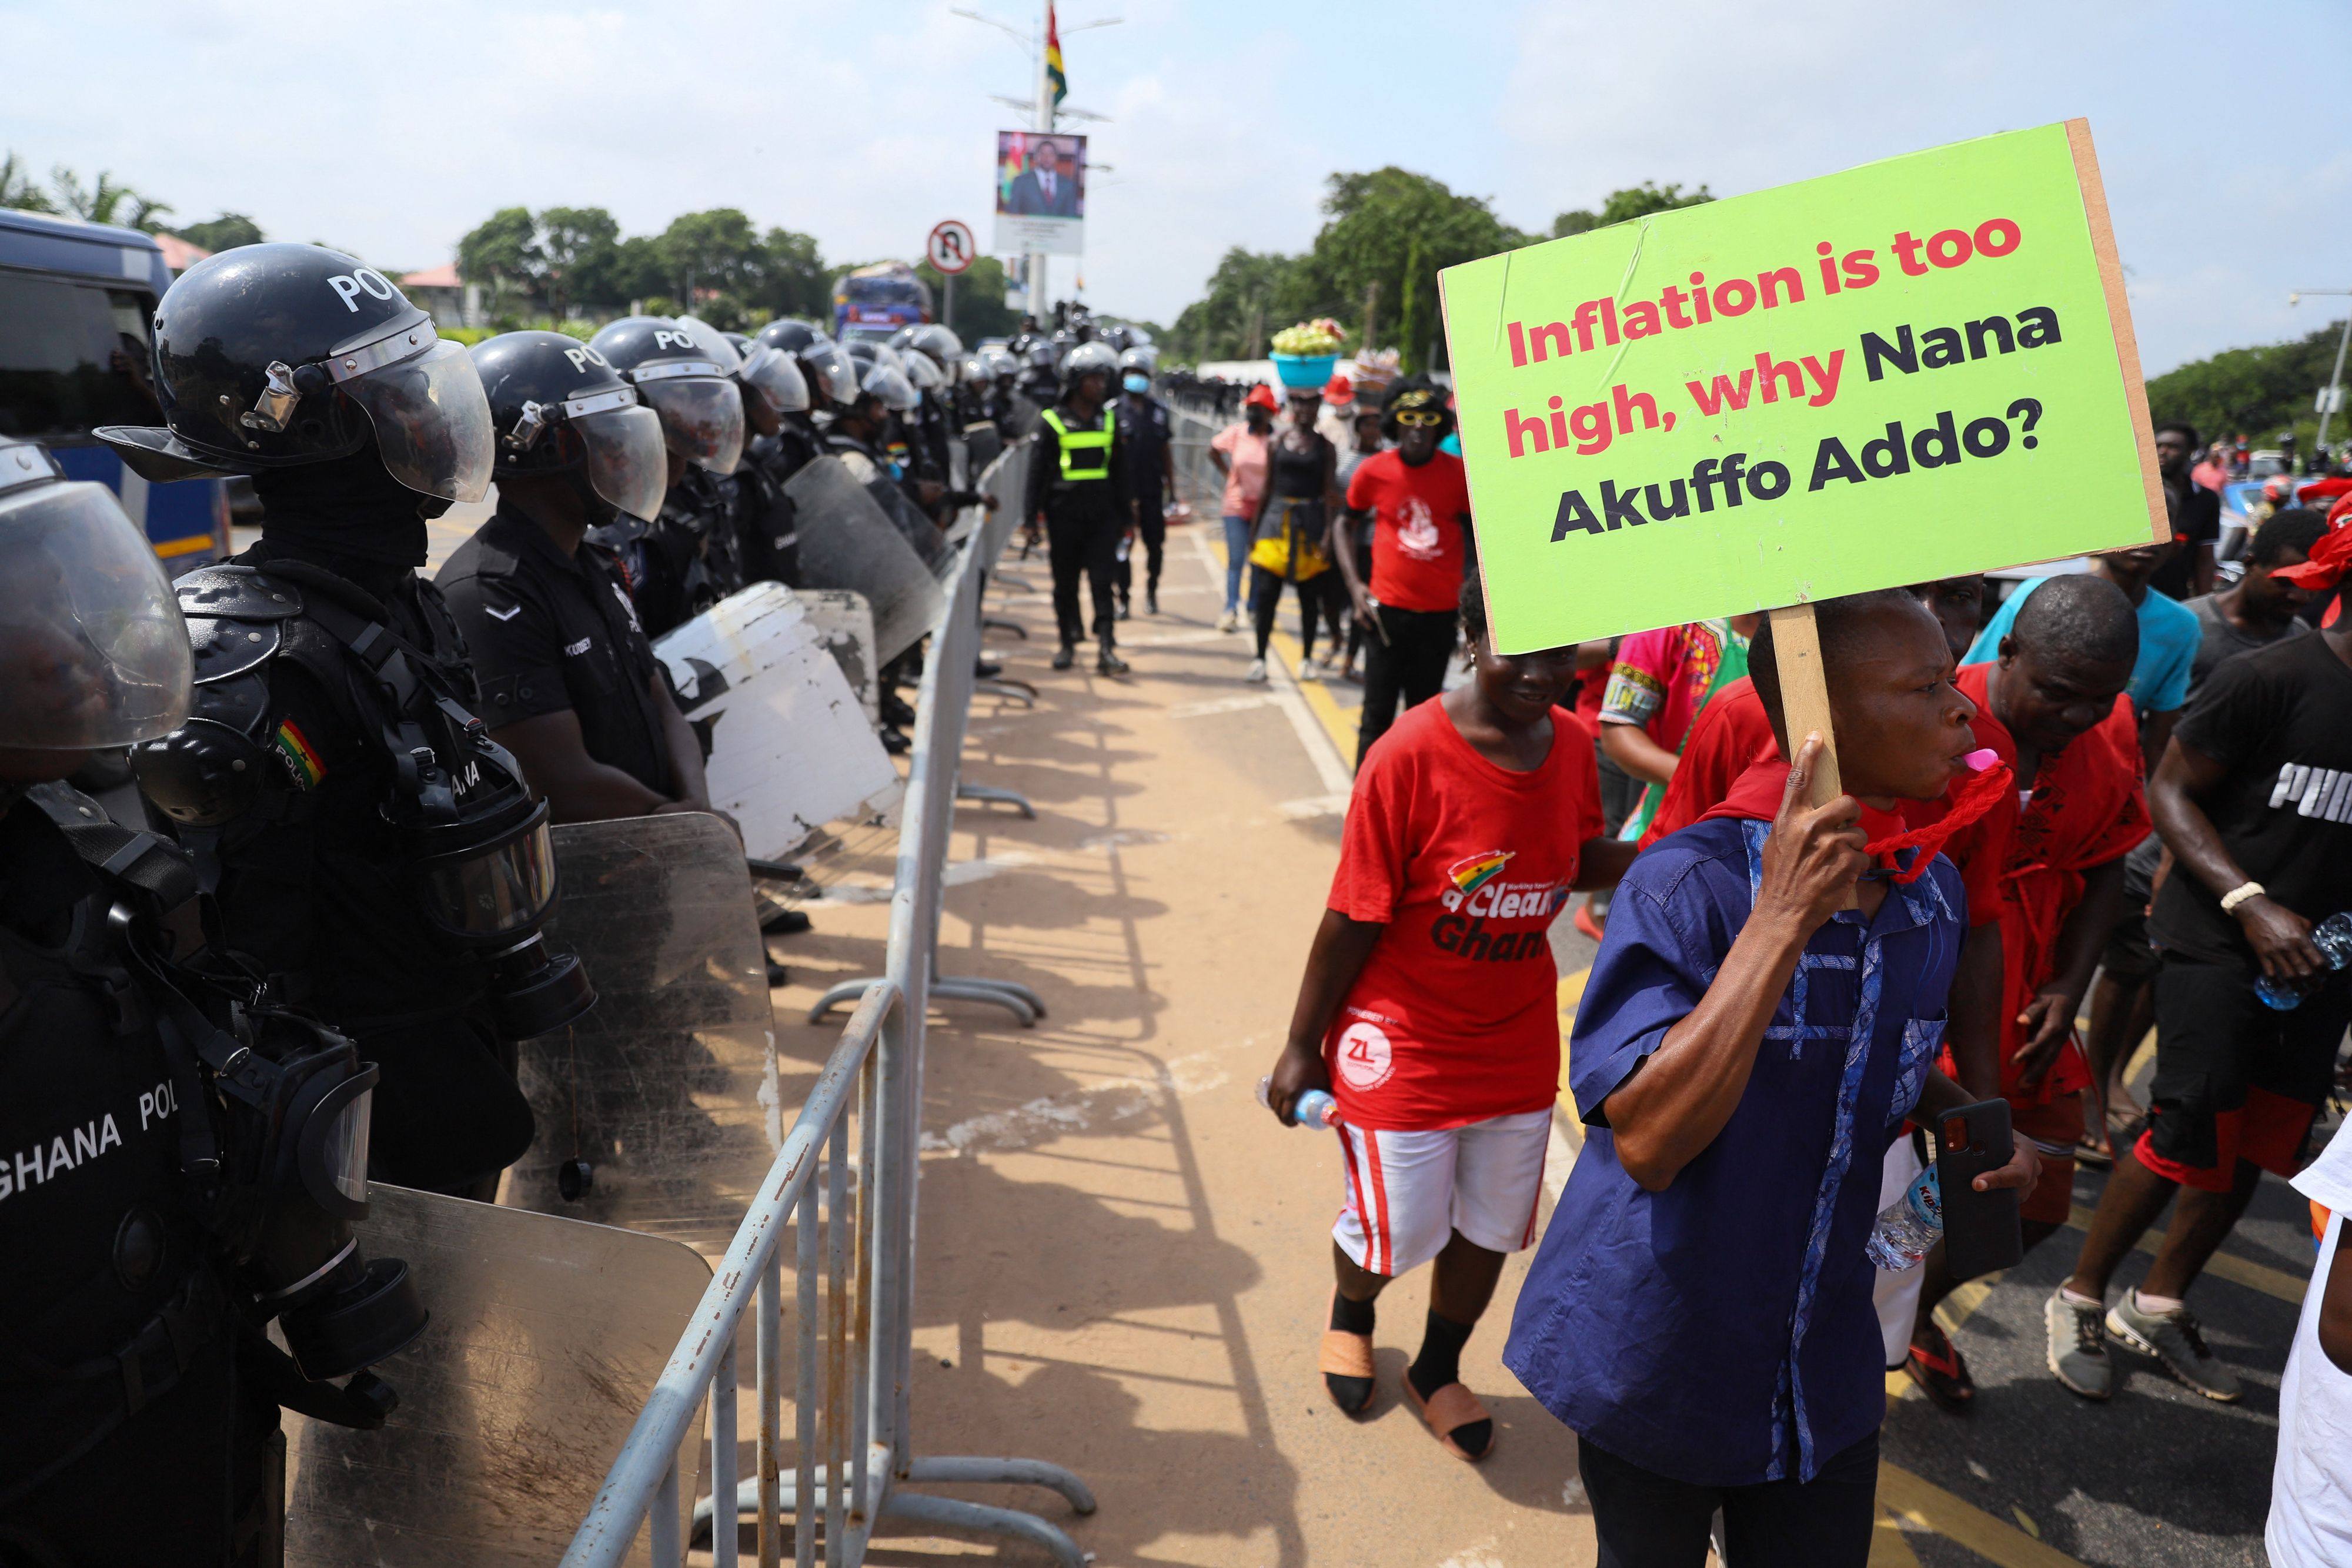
<point x="991" y="795"/>
<point x="991" y="623"/>
<point x="957" y="1514"/>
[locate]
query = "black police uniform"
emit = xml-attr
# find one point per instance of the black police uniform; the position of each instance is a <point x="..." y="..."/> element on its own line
<point x="121" y="1406"/>
<point x="766" y="521"/>
<point x="1144" y="436"/>
<point x="1087" y="511"/>
<point x="690" y="553"/>
<point x="549" y="632"/>
<point x="279" y="783"/>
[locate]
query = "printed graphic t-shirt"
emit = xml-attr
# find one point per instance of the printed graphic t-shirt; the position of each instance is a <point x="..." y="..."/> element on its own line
<point x="1455" y="1017"/>
<point x="1417" y="527"/>
<point x="2281" y="719"/>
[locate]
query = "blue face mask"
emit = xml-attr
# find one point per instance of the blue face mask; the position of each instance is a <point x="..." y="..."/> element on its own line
<point x="1137" y="381"/>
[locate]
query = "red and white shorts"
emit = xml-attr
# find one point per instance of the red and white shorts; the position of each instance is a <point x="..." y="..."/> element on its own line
<point x="1408" y="1192"/>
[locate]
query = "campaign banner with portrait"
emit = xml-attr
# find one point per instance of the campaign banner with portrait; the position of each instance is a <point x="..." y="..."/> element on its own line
<point x="1040" y="192"/>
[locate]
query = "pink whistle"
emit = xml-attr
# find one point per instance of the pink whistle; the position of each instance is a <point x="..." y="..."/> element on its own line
<point x="1981" y="758"/>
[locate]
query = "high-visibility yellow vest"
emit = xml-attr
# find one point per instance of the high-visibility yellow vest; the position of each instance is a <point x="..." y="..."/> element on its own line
<point x="1095" y="445"/>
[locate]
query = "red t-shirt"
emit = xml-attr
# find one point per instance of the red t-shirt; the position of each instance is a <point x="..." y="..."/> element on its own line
<point x="1455" y="1017"/>
<point x="1417" y="527"/>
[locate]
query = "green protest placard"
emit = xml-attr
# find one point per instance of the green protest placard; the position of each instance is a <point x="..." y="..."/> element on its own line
<point x="1918" y="369"/>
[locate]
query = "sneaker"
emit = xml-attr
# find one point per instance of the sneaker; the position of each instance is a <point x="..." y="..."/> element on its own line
<point x="1065" y="658"/>
<point x="2174" y="1339"/>
<point x="2077" y="1351"/>
<point x="1311" y="668"/>
<point x="1255" y="673"/>
<point x="1229" y="622"/>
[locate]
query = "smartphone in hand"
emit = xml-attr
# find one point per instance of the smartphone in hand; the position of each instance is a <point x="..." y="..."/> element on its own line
<point x="1981" y="1229"/>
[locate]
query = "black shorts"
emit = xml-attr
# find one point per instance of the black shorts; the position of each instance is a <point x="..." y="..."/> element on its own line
<point x="2129" y="957"/>
<point x="2233" y="1077"/>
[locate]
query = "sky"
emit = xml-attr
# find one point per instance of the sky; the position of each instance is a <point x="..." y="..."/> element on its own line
<point x="392" y="129"/>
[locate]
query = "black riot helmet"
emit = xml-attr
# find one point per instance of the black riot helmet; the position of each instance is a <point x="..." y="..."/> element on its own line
<point x="770" y="374"/>
<point x="789" y="335"/>
<point x="274" y="356"/>
<point x="695" y="393"/>
<point x="941" y="343"/>
<point x="829" y="375"/>
<point x="560" y="407"/>
<point x="1090" y="359"/>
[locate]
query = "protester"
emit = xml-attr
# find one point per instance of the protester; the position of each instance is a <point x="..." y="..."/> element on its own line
<point x="2311" y="1486"/>
<point x="2260" y="608"/>
<point x="1660" y="682"/>
<point x="1335" y="420"/>
<point x="1418" y="501"/>
<point x="1290" y="537"/>
<point x="2168" y="640"/>
<point x="1239" y="452"/>
<point x="1429" y="1008"/>
<point x="2214" y="470"/>
<point x="2250" y="801"/>
<point x="1700" y="1311"/>
<point x="2195" y="512"/>
<point x="1364" y="442"/>
<point x="2050" y="707"/>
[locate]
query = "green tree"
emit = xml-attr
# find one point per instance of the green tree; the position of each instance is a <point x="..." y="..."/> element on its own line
<point x="2255" y="392"/>
<point x="225" y="231"/>
<point x="572" y="255"/>
<point x="105" y="201"/>
<point x="794" y="280"/>
<point x="979" y="308"/>
<point x="1624" y="206"/>
<point x="1386" y="236"/>
<point x="17" y="190"/>
<point x="1245" y="304"/>
<point x="502" y="254"/>
<point x="639" y="273"/>
<point x="716" y="252"/>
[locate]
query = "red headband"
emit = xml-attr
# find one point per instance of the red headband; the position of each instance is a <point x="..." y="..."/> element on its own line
<point x="2330" y="559"/>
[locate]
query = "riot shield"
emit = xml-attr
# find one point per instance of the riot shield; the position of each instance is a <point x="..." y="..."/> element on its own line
<point x="916" y="529"/>
<point x="787" y="744"/>
<point x="844" y="625"/>
<point x="657" y="1109"/>
<point x="849" y="541"/>
<point x="546" y="1338"/>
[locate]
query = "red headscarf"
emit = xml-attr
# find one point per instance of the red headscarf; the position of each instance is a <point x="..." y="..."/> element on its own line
<point x="1758" y="793"/>
<point x="2330" y="559"/>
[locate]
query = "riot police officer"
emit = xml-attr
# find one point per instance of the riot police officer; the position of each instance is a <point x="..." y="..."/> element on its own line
<point x="154" y="1102"/>
<point x="333" y="781"/>
<point x="682" y="561"/>
<point x="1150" y="447"/>
<point x="773" y="390"/>
<point x="1078" y="488"/>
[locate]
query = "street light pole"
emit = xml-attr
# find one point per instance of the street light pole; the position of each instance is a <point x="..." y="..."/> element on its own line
<point x="2335" y="377"/>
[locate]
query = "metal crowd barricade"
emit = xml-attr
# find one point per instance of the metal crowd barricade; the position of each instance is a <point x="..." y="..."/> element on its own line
<point x="1198" y="483"/>
<point x="853" y="1226"/>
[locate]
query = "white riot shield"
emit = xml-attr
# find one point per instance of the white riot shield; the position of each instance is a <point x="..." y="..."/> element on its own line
<point x="849" y="541"/>
<point x="789" y="746"/>
<point x="658" y="1109"/>
<point x="547" y="1336"/>
<point x="843" y="624"/>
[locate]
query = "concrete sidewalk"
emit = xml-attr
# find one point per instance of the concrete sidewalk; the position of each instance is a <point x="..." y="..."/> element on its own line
<point x="1124" y="1260"/>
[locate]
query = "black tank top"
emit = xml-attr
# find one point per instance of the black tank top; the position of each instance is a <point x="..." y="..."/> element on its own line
<point x="1294" y="474"/>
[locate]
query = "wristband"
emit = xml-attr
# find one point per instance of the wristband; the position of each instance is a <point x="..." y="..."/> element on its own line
<point x="2239" y="894"/>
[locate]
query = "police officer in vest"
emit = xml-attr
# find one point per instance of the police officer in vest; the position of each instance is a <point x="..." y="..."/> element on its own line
<point x="682" y="561"/>
<point x="570" y="684"/>
<point x="1078" y="488"/>
<point x="333" y="782"/>
<point x="156" y="1205"/>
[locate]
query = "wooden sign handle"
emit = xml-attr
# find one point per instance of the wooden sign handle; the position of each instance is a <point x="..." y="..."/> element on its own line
<point x="1805" y="698"/>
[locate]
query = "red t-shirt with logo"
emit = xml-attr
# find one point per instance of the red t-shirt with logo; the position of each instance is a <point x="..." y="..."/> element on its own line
<point x="1455" y="1017"/>
<point x="1417" y="527"/>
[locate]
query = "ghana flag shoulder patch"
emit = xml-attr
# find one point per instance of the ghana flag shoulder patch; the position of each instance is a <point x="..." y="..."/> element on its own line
<point x="301" y="758"/>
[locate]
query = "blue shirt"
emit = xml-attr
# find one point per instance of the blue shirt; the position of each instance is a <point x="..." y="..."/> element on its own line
<point x="1721" y="1331"/>
<point x="2168" y="638"/>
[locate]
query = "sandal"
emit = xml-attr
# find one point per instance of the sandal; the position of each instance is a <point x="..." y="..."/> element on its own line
<point x="1449" y="1410"/>
<point x="1942" y="1376"/>
<point x="1346" y="1355"/>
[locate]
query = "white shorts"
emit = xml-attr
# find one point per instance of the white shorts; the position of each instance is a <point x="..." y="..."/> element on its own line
<point x="1896" y="1296"/>
<point x="1408" y="1192"/>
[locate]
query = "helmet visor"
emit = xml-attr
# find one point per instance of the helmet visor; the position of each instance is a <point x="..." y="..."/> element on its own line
<point x="892" y="388"/>
<point x="432" y="421"/>
<point x="701" y="416"/>
<point x="626" y="466"/>
<point x="836" y="376"/>
<point x="919" y="369"/>
<point x="494" y="893"/>
<point x="90" y="634"/>
<point x="776" y="376"/>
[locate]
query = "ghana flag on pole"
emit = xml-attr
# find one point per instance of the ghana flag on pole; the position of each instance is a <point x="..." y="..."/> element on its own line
<point x="1054" y="77"/>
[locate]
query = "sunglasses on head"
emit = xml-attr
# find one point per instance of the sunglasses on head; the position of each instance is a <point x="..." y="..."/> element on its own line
<point x="1419" y="418"/>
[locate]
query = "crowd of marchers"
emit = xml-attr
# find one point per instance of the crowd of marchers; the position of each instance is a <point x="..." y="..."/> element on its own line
<point x="2078" y="806"/>
<point x="302" y="954"/>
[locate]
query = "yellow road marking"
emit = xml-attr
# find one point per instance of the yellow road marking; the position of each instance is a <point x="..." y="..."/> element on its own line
<point x="1929" y="1506"/>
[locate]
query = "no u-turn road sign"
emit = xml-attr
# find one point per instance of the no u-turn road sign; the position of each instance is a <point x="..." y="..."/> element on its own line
<point x="952" y="247"/>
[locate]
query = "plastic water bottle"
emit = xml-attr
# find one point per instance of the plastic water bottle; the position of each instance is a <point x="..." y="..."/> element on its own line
<point x="1314" y="1108"/>
<point x="1910" y="1226"/>
<point x="2333" y="937"/>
